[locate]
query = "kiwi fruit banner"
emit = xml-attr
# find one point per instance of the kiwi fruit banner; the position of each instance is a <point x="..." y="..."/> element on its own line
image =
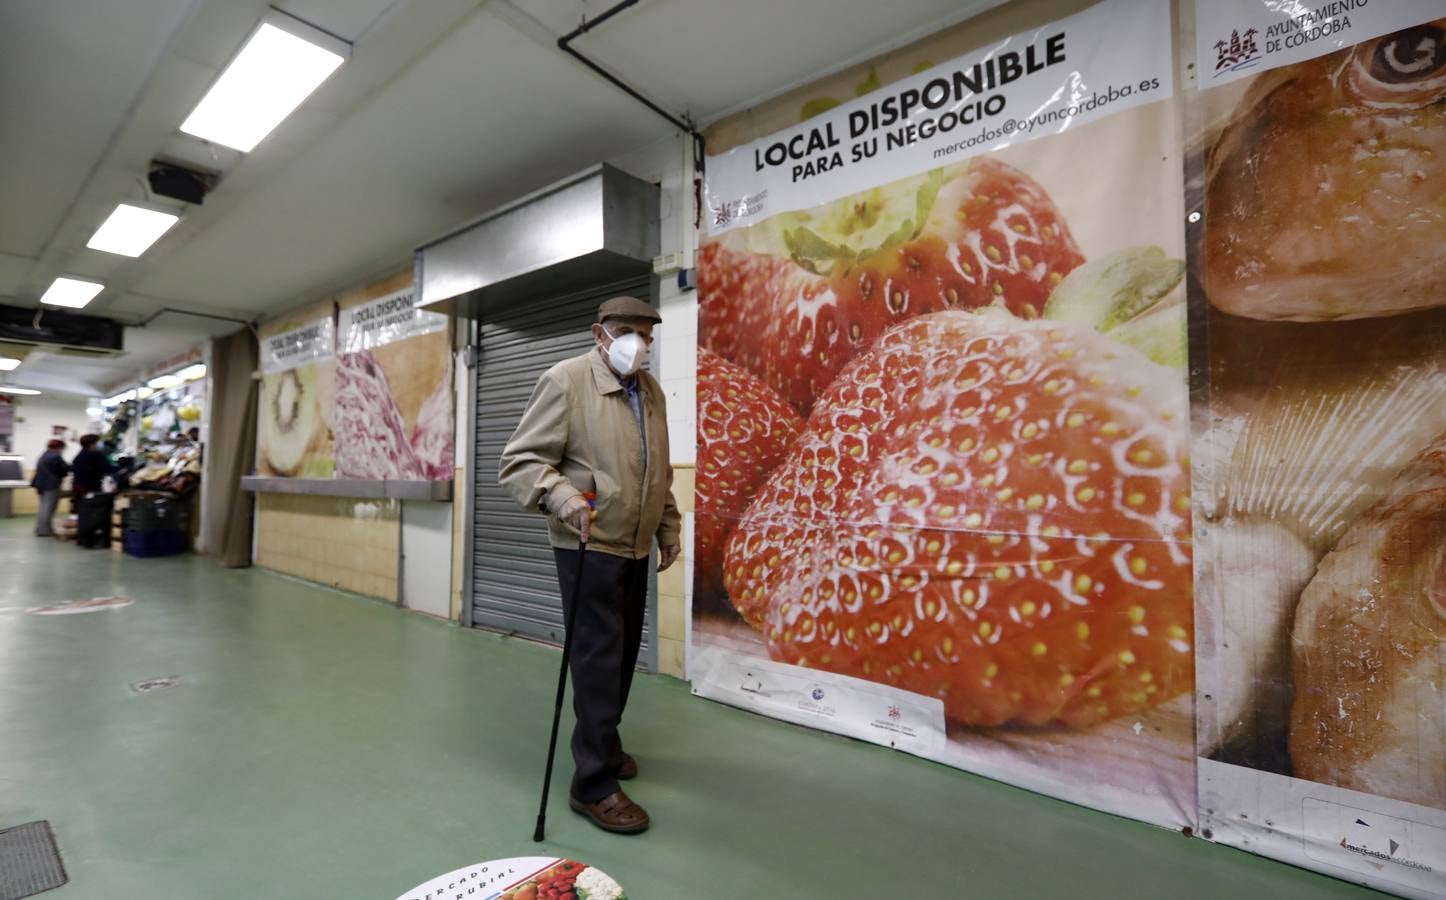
<point x="1316" y="184"/>
<point x="943" y="479"/>
<point x="298" y="389"/>
<point x="394" y="398"/>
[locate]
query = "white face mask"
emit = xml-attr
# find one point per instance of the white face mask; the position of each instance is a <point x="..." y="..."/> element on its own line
<point x="627" y="354"/>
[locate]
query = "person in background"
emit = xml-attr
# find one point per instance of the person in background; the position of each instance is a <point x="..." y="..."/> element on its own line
<point x="87" y="476"/>
<point x="50" y="471"/>
<point x="597" y="422"/>
<point x="89" y="468"/>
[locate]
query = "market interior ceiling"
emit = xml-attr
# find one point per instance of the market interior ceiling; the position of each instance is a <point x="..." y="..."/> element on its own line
<point x="446" y="109"/>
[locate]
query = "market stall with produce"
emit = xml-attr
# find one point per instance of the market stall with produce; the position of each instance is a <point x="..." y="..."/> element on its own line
<point x="154" y="435"/>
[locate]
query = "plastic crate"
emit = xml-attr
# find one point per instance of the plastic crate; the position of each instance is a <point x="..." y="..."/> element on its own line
<point x="154" y="542"/>
<point x="157" y="512"/>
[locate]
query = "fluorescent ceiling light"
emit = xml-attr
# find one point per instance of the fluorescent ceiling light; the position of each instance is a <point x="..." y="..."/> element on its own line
<point x="94" y="411"/>
<point x="143" y="392"/>
<point x="71" y="292"/>
<point x="161" y="382"/>
<point x="120" y="398"/>
<point x="6" y="389"/>
<point x="270" y="77"/>
<point x="131" y="230"/>
<point x="7" y="364"/>
<point x="191" y="373"/>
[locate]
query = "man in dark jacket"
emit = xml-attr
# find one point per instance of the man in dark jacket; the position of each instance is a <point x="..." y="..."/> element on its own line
<point x="88" y="471"/>
<point x="50" y="471"/>
<point x="89" y="468"/>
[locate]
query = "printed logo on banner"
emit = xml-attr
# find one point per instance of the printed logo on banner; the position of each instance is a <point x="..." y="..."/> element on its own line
<point x="1236" y="38"/>
<point x="1238" y="53"/>
<point x="1369" y="841"/>
<point x="849" y="706"/>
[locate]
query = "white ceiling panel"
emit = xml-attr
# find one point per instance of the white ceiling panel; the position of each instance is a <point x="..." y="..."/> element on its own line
<point x="443" y="142"/>
<point x="348" y="21"/>
<point x="446" y="109"/>
<point x="710" y="56"/>
<point x="69" y="72"/>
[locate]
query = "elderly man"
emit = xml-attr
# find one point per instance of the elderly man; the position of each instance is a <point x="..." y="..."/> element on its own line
<point x="591" y="452"/>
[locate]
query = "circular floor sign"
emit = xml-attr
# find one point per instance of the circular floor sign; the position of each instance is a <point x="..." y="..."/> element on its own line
<point x="521" y="878"/>
<point x="72" y="607"/>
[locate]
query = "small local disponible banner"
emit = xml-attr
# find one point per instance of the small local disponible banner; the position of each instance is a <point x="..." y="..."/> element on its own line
<point x="312" y="342"/>
<point x="1236" y="38"/>
<point x="1106" y="59"/>
<point x="385" y="320"/>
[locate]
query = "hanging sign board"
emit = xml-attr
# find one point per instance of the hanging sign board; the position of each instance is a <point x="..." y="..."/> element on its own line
<point x="1112" y="56"/>
<point x="385" y="320"/>
<point x="312" y="342"/>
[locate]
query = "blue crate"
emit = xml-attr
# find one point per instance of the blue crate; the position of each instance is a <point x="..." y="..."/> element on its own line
<point x="153" y="542"/>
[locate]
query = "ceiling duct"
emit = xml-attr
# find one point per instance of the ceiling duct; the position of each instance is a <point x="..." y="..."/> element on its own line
<point x="598" y="226"/>
<point x="56" y="331"/>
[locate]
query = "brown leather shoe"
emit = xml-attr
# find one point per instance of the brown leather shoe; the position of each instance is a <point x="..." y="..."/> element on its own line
<point x="629" y="771"/>
<point x="616" y="813"/>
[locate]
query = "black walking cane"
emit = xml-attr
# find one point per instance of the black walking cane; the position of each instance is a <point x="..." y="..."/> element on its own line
<point x="537" y="834"/>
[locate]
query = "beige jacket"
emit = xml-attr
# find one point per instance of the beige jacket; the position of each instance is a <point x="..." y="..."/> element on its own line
<point x="579" y="434"/>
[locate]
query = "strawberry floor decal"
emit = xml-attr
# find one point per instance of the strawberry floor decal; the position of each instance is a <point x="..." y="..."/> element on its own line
<point x="829" y="283"/>
<point x="744" y="430"/>
<point x="987" y="509"/>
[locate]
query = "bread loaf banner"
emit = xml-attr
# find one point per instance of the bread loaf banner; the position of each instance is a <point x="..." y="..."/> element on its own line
<point x="1318" y="292"/>
<point x="298" y="390"/>
<point x="366" y="393"/>
<point x="963" y="468"/>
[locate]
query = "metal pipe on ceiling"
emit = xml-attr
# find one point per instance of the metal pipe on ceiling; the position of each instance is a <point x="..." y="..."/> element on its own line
<point x="684" y="124"/>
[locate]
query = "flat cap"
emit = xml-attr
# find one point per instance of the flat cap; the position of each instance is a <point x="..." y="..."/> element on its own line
<point x="627" y="308"/>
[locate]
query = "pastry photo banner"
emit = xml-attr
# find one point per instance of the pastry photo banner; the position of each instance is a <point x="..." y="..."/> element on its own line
<point x="1316" y="272"/>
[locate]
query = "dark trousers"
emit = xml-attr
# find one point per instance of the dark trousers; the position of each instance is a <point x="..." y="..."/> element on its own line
<point x="92" y="513"/>
<point x="606" y="636"/>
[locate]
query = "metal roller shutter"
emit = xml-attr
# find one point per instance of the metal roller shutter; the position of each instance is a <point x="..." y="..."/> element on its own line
<point x="514" y="581"/>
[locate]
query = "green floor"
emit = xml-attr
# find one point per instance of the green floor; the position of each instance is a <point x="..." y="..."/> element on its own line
<point x="327" y="746"/>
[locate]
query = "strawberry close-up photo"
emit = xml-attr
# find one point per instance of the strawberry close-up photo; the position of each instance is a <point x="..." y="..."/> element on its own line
<point x="794" y="301"/>
<point x="744" y="431"/>
<point x="989" y="510"/>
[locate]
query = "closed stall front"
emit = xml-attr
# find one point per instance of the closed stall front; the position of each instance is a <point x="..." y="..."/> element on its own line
<point x="514" y="582"/>
<point x="529" y="279"/>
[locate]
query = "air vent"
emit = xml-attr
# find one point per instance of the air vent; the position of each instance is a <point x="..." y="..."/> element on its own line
<point x="56" y="331"/>
<point x="167" y="179"/>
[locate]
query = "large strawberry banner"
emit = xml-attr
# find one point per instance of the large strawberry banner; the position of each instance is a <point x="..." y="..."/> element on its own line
<point x="943" y="481"/>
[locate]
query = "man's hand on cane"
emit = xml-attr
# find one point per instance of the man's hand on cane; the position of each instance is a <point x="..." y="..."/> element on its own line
<point x="577" y="513"/>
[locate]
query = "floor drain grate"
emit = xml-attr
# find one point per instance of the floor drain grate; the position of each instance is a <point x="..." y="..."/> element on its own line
<point x="29" y="861"/>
